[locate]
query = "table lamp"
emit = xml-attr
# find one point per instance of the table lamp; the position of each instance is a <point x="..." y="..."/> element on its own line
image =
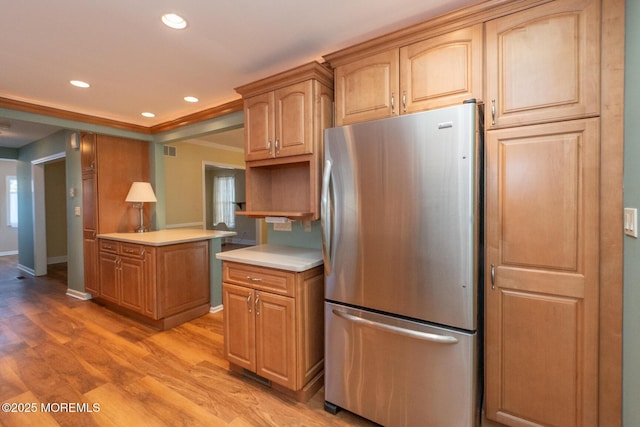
<point x="141" y="192"/>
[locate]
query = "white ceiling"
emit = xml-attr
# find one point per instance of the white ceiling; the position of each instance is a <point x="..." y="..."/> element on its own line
<point x="134" y="63"/>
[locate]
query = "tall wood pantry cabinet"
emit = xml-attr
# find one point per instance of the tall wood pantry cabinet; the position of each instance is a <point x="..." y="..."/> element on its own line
<point x="285" y="116"/>
<point x="109" y="165"/>
<point x="542" y="215"/>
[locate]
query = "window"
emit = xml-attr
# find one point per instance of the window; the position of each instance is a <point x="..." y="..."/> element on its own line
<point x="12" y="201"/>
<point x="224" y="195"/>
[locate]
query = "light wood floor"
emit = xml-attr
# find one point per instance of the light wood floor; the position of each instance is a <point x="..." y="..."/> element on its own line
<point x="57" y="350"/>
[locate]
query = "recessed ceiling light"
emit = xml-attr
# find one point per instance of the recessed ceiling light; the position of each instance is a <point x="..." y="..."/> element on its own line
<point x="79" y="83"/>
<point x="148" y="114"/>
<point x="174" y="21"/>
<point x="191" y="99"/>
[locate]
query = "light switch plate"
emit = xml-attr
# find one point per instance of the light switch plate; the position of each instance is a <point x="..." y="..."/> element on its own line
<point x="631" y="222"/>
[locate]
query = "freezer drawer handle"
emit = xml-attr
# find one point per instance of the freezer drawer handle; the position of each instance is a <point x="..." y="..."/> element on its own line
<point x="442" y="339"/>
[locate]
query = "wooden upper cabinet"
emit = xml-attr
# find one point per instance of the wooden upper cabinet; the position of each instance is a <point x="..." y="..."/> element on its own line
<point x="280" y="112"/>
<point x="259" y="127"/>
<point x="437" y="72"/>
<point x="442" y="71"/>
<point x="367" y="89"/>
<point x="284" y="122"/>
<point x="294" y="119"/>
<point x="543" y="64"/>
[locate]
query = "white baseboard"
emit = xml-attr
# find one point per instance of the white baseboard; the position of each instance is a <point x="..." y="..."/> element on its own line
<point x="27" y="270"/>
<point x="243" y="241"/>
<point x="57" y="259"/>
<point x="8" y="253"/>
<point x="216" y="309"/>
<point x="185" y="225"/>
<point x="79" y="295"/>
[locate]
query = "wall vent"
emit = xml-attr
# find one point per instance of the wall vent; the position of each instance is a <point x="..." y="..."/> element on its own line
<point x="170" y="151"/>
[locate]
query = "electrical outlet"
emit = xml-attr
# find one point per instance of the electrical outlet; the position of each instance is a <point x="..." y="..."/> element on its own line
<point x="285" y="226"/>
<point x="631" y="222"/>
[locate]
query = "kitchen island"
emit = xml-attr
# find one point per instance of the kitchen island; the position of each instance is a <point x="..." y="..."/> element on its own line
<point x="274" y="320"/>
<point x="161" y="278"/>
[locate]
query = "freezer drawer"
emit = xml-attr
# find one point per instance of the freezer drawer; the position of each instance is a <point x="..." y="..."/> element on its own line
<point x="397" y="372"/>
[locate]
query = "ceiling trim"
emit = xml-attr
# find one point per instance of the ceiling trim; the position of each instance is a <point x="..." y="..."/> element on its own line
<point x="210" y="113"/>
<point x="27" y="107"/>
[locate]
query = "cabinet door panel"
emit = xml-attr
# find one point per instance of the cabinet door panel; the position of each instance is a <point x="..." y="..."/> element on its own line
<point x="442" y="71"/>
<point x="294" y="119"/>
<point x="91" y="279"/>
<point x="239" y="326"/>
<point x="543" y="64"/>
<point x="365" y="88"/>
<point x="259" y="126"/>
<point x="541" y="315"/>
<point x="132" y="284"/>
<point x="186" y="264"/>
<point x="88" y="152"/>
<point x="108" y="267"/>
<point x="275" y="338"/>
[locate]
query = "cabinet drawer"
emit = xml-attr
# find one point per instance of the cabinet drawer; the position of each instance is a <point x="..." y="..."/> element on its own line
<point x="131" y="250"/>
<point x="108" y="246"/>
<point x="262" y="278"/>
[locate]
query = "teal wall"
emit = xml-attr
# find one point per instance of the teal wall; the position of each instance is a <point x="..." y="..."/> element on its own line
<point x="297" y="236"/>
<point x="631" y="310"/>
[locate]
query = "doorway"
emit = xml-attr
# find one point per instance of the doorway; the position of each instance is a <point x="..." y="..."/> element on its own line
<point x="224" y="195"/>
<point x="49" y="212"/>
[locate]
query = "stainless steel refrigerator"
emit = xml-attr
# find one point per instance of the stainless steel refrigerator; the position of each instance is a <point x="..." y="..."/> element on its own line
<point x="401" y="222"/>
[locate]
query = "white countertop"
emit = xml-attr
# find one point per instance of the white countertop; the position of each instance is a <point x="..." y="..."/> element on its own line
<point x="167" y="237"/>
<point x="275" y="256"/>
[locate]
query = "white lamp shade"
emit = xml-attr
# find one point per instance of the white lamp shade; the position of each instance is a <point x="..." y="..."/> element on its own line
<point x="141" y="192"/>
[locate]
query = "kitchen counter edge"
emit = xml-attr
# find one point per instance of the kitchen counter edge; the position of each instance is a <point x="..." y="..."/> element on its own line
<point x="280" y="257"/>
<point x="167" y="237"/>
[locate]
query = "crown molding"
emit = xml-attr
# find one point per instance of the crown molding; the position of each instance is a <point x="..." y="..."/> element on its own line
<point x="210" y="113"/>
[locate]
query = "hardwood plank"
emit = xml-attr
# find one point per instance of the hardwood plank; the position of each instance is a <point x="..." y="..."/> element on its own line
<point x="25" y="419"/>
<point x="57" y="349"/>
<point x="171" y="406"/>
<point x="119" y="408"/>
<point x="10" y="383"/>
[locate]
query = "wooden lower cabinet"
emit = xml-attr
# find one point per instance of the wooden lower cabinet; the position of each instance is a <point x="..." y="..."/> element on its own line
<point x="160" y="286"/>
<point x="274" y="325"/>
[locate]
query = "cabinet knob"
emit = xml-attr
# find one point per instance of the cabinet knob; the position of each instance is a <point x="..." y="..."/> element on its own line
<point x="257" y="306"/>
<point x="404" y="102"/>
<point x="254" y="279"/>
<point x="249" y="302"/>
<point x="277" y="146"/>
<point x="393" y="103"/>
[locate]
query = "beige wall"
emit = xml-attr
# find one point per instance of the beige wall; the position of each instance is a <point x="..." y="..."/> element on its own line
<point x="56" y="211"/>
<point x="184" y="181"/>
<point x="8" y="235"/>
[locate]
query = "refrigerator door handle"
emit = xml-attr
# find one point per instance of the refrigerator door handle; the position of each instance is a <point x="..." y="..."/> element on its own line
<point x="441" y="339"/>
<point x="325" y="217"/>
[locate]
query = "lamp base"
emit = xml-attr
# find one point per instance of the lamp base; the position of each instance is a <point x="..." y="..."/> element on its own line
<point x="142" y="228"/>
